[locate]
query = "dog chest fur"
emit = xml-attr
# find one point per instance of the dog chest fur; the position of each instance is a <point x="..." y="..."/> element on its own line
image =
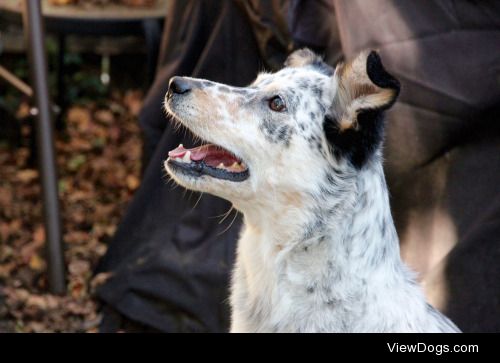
<point x="346" y="277"/>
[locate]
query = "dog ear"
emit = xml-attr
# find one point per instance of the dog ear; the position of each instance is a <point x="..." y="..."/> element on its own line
<point x="301" y="58"/>
<point x="363" y="84"/>
<point x="365" y="90"/>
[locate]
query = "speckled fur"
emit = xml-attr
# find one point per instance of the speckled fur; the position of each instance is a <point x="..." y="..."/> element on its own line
<point x="318" y="251"/>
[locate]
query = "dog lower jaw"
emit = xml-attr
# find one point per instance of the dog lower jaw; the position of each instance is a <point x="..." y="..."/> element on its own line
<point x="231" y="191"/>
<point x="197" y="169"/>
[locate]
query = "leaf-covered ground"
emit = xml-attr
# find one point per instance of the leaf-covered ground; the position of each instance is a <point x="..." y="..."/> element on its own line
<point x="98" y="155"/>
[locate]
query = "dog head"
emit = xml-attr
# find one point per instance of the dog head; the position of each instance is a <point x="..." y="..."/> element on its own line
<point x="284" y="136"/>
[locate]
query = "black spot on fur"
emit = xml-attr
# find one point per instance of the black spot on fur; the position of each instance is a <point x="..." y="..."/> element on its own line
<point x="330" y="178"/>
<point x="323" y="68"/>
<point x="318" y="91"/>
<point x="285" y="134"/>
<point x="358" y="144"/>
<point x="319" y="145"/>
<point x="292" y="100"/>
<point x="384" y="230"/>
<point x="240" y="91"/>
<point x="326" y="191"/>
<point x="384" y="253"/>
<point x="268" y="127"/>
<point x="276" y="133"/>
<point x="303" y="84"/>
<point x="331" y="302"/>
<point x="310" y="290"/>
<point x="312" y="227"/>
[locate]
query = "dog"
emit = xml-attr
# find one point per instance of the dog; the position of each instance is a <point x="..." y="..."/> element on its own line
<point x="299" y="153"/>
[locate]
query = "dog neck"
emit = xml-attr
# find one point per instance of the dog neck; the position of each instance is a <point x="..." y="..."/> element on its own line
<point x="328" y="263"/>
<point x="351" y="217"/>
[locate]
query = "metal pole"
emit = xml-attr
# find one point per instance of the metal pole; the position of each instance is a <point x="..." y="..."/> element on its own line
<point x="35" y="36"/>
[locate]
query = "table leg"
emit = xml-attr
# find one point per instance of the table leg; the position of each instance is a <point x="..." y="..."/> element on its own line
<point x="34" y="31"/>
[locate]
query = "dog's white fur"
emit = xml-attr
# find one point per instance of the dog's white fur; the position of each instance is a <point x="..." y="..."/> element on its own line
<point x="318" y="251"/>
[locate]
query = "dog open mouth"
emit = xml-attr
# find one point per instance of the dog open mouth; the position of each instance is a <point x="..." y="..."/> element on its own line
<point x="209" y="159"/>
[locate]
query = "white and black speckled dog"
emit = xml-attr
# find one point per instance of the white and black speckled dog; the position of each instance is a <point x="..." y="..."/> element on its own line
<point x="299" y="153"/>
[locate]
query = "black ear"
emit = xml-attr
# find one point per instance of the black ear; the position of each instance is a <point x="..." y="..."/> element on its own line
<point x="355" y="126"/>
<point x="381" y="78"/>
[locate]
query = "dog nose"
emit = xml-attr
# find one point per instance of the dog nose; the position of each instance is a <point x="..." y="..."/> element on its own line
<point x="179" y="85"/>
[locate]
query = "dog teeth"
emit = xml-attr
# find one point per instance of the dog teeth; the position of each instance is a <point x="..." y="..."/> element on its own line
<point x="221" y="166"/>
<point x="187" y="157"/>
<point x="238" y="166"/>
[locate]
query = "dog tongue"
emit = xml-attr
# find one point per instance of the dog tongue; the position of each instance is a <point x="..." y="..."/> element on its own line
<point x="210" y="153"/>
<point x="201" y="152"/>
<point x="178" y="152"/>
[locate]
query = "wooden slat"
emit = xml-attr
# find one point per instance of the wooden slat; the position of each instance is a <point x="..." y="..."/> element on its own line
<point x="108" y="12"/>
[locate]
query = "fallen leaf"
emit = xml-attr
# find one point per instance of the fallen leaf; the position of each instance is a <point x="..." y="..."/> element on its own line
<point x="79" y="118"/>
<point x="76" y="162"/>
<point x="76" y="237"/>
<point x="6" y="197"/>
<point x="132" y="182"/>
<point x="77" y="289"/>
<point x="6" y="269"/>
<point x="104" y="116"/>
<point x="79" y="267"/>
<point x="4" y="231"/>
<point x="27" y="175"/>
<point x="36" y="263"/>
<point x="39" y="236"/>
<point x="36" y="301"/>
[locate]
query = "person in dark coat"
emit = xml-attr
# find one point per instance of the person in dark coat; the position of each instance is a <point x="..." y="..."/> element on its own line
<point x="171" y="258"/>
<point x="442" y="143"/>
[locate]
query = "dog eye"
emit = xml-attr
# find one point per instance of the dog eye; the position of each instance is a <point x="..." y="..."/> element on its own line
<point x="277" y="104"/>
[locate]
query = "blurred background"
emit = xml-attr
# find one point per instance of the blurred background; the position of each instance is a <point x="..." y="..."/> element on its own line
<point x="97" y="82"/>
<point x="92" y="238"/>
